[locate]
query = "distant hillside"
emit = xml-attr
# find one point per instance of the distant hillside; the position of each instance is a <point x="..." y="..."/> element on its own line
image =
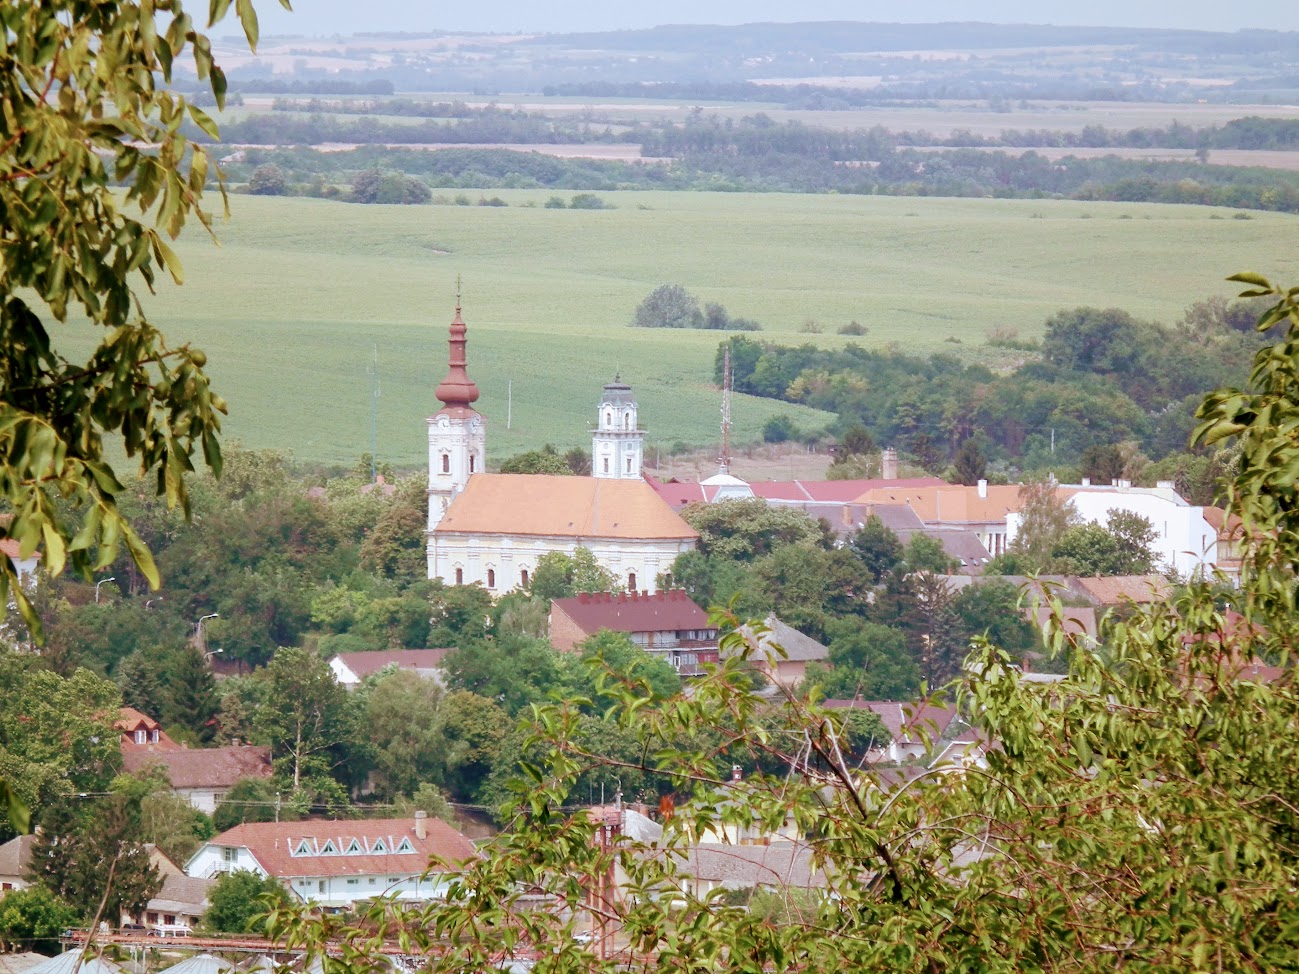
<point x="844" y="37"/>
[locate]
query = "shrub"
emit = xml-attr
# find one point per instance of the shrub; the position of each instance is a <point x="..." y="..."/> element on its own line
<point x="853" y="328"/>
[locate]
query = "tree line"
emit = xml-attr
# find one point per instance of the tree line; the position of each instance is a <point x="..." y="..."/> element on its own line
<point x="1099" y="378"/>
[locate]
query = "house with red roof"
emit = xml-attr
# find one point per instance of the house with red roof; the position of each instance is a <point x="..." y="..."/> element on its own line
<point x="666" y="623"/>
<point x="334" y="865"/>
<point x="141" y="732"/>
<point x="200" y="775"/>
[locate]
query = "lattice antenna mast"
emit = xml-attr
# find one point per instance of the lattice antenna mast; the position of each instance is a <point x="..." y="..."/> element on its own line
<point x="724" y="461"/>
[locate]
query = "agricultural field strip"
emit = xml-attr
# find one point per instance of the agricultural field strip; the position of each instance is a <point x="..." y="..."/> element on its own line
<point x="292" y="305"/>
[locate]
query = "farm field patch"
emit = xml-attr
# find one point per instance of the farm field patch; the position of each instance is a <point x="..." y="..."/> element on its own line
<point x="293" y="304"/>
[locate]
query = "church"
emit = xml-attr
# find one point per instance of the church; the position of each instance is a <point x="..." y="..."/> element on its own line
<point x="491" y="529"/>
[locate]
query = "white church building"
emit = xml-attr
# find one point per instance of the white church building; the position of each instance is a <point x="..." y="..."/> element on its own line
<point x="492" y="529"/>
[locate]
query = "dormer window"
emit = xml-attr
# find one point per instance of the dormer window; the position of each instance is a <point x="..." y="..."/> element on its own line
<point x="380" y="847"/>
<point x="141" y="736"/>
<point x="354" y="849"/>
<point x="405" y="846"/>
<point x="153" y="736"/>
<point x="304" y="848"/>
<point x="328" y="849"/>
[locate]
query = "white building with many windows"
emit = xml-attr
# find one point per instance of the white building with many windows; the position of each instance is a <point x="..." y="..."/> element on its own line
<point x="333" y="865"/>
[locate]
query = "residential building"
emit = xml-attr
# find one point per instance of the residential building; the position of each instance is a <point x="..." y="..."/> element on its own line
<point x="982" y="509"/>
<point x="15" y="861"/>
<point x="916" y="729"/>
<point x="140" y="732"/>
<point x="178" y="905"/>
<point x="334" y="865"/>
<point x="350" y="669"/>
<point x="781" y="653"/>
<point x="666" y="623"/>
<point x="201" y="775"/>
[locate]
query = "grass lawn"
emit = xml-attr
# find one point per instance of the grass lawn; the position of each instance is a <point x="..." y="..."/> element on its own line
<point x="293" y="303"/>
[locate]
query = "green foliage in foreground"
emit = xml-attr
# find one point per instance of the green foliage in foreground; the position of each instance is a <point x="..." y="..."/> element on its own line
<point x="85" y="88"/>
<point x="239" y="899"/>
<point x="1142" y="814"/>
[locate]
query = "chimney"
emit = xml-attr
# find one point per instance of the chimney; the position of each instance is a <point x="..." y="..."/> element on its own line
<point x="1166" y="484"/>
<point x="421" y="825"/>
<point x="1087" y="481"/>
<point x="983" y="489"/>
<point x="736" y="773"/>
<point x="889" y="464"/>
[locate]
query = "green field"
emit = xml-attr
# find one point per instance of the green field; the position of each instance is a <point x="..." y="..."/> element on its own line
<point x="300" y="292"/>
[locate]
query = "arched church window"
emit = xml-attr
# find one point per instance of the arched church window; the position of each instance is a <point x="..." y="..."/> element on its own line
<point x="446" y="463"/>
<point x="491" y="578"/>
<point x="471" y="463"/>
<point x="523" y="577"/>
<point x="460" y="576"/>
<point x="629" y="464"/>
<point x="631" y="581"/>
<point x="626" y="421"/>
<point x="608" y="418"/>
<point x="606" y="464"/>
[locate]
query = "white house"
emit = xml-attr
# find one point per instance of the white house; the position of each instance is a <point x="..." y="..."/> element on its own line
<point x="333" y="865"/>
<point x="1186" y="540"/>
<point x="350" y="669"/>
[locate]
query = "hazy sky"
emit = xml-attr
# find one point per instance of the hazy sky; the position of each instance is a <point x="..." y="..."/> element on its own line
<point x="349" y="16"/>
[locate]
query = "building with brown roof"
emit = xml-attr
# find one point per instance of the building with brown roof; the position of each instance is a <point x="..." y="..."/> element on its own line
<point x="498" y="527"/>
<point x="350" y="669"/>
<point x="140" y="732"/>
<point x="334" y="865"/>
<point x="666" y="623"/>
<point x="15" y="861"/>
<point x="982" y="509"/>
<point x="202" y="775"/>
<point x="780" y="652"/>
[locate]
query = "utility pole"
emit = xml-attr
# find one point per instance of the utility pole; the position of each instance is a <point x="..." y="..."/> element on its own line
<point x="374" y="416"/>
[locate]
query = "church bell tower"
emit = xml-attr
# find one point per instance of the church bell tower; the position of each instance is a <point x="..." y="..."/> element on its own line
<point x="617" y="443"/>
<point x="457" y="434"/>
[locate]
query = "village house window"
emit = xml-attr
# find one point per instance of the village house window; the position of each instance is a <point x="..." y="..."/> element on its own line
<point x="352" y="881"/>
<point x="229" y="853"/>
<point x="320" y="886"/>
<point x="446" y="463"/>
<point x="460" y="576"/>
<point x="151" y="917"/>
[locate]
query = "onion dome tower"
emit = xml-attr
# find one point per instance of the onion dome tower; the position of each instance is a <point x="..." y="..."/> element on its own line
<point x="457" y="434"/>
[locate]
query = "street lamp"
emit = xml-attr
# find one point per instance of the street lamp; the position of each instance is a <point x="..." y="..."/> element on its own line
<point x="149" y="603"/>
<point x="198" y="629"/>
<point x="101" y="582"/>
<point x="213" y="653"/>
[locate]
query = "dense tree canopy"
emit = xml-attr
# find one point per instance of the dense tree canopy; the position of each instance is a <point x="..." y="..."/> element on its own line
<point x="86" y="90"/>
